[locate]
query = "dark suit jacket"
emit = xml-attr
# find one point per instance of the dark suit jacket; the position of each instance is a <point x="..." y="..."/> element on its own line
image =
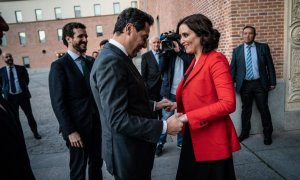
<point x="23" y="80"/>
<point x="265" y="65"/>
<point x="129" y="129"/>
<point x="167" y="67"/>
<point x="14" y="154"/>
<point x="71" y="98"/>
<point x="151" y="74"/>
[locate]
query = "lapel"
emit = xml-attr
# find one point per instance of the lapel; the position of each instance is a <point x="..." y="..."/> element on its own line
<point x="242" y="55"/>
<point x="73" y="66"/>
<point x="194" y="70"/>
<point x="153" y="60"/>
<point x="258" y="52"/>
<point x="126" y="59"/>
<point x="4" y="75"/>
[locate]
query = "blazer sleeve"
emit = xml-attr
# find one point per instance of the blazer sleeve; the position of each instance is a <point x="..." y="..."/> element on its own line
<point x="270" y="66"/>
<point x="113" y="90"/>
<point x="25" y="75"/>
<point x="225" y="104"/>
<point x="233" y="65"/>
<point x="144" y="67"/>
<point x="57" y="89"/>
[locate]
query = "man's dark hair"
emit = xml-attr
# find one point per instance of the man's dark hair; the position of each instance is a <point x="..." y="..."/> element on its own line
<point x="68" y="30"/>
<point x="104" y="41"/>
<point x="134" y="16"/>
<point x="251" y="27"/>
<point x="203" y="27"/>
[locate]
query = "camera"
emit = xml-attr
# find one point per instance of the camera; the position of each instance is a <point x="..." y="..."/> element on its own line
<point x="167" y="39"/>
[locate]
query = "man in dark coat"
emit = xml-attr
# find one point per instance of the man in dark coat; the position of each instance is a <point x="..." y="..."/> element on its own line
<point x="253" y="71"/>
<point x="73" y="104"/>
<point x="15" y="90"/>
<point x="129" y="129"/>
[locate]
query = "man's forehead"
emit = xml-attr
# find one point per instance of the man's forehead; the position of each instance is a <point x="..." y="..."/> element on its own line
<point x="79" y="31"/>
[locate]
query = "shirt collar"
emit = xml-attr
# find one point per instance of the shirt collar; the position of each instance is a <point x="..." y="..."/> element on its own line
<point x="154" y="52"/>
<point x="73" y="55"/>
<point x="251" y="45"/>
<point x="118" y="45"/>
<point x="7" y="67"/>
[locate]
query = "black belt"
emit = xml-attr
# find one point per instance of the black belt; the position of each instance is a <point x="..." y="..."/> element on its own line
<point x="252" y="80"/>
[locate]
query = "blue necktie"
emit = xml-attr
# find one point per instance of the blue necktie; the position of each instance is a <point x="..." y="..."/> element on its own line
<point x="12" y="80"/>
<point x="157" y="57"/>
<point x="249" y="67"/>
<point x="85" y="70"/>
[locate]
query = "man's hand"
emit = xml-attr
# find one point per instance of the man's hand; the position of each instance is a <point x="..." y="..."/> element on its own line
<point x="176" y="48"/>
<point x="75" y="140"/>
<point x="171" y="108"/>
<point x="163" y="104"/>
<point x="174" y="125"/>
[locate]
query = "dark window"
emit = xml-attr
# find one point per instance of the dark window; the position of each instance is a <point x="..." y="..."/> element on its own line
<point x="26" y="61"/>
<point x="59" y="34"/>
<point x="77" y="11"/>
<point x="99" y="30"/>
<point x="38" y="15"/>
<point x="19" y="17"/>
<point x="42" y="36"/>
<point x="57" y="12"/>
<point x="22" y="38"/>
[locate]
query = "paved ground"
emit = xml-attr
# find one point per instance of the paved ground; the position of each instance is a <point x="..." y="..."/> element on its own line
<point x="49" y="156"/>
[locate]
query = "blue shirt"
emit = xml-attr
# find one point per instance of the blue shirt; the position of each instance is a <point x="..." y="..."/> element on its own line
<point x="17" y="84"/>
<point x="254" y="59"/>
<point x="75" y="57"/>
<point x="156" y="55"/>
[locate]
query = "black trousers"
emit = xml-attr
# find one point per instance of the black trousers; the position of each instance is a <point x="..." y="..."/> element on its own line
<point x="89" y="155"/>
<point x="253" y="90"/>
<point x="20" y="100"/>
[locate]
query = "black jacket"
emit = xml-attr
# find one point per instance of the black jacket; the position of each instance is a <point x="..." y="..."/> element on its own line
<point x="71" y="98"/>
<point x="265" y="65"/>
<point x="23" y="80"/>
<point x="129" y="129"/>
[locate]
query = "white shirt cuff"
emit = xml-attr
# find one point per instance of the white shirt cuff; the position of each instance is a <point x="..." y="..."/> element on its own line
<point x="154" y="104"/>
<point x="164" y="130"/>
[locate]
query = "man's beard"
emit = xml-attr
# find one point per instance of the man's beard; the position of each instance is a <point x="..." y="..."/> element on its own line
<point x="79" y="48"/>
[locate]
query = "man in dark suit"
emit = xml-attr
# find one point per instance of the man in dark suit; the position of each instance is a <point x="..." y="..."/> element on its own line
<point x="73" y="104"/>
<point x="150" y="68"/>
<point x="129" y="128"/>
<point x="14" y="156"/>
<point x="253" y="71"/>
<point x="15" y="82"/>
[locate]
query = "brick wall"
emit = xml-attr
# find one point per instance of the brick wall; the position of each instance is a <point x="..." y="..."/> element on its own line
<point x="229" y="17"/>
<point x="33" y="48"/>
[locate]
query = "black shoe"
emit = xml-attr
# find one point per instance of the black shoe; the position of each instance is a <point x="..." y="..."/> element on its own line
<point x="37" y="136"/>
<point x="159" y="149"/>
<point x="243" y="136"/>
<point x="268" y="140"/>
<point x="179" y="146"/>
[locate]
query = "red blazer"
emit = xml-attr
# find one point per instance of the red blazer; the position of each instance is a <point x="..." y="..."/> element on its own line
<point x="207" y="97"/>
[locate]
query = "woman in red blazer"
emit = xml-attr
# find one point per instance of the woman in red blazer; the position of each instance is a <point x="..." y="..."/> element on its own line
<point x="205" y="97"/>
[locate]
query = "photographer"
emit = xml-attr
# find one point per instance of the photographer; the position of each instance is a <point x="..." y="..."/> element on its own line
<point x="174" y="62"/>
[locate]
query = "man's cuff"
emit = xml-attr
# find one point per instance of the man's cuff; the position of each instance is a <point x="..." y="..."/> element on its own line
<point x="154" y="104"/>
<point x="165" y="126"/>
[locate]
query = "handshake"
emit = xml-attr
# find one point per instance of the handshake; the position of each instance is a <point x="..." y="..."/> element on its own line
<point x="175" y="122"/>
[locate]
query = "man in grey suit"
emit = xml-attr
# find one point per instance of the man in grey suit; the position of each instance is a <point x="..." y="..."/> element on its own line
<point x="130" y="130"/>
<point x="253" y="71"/>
